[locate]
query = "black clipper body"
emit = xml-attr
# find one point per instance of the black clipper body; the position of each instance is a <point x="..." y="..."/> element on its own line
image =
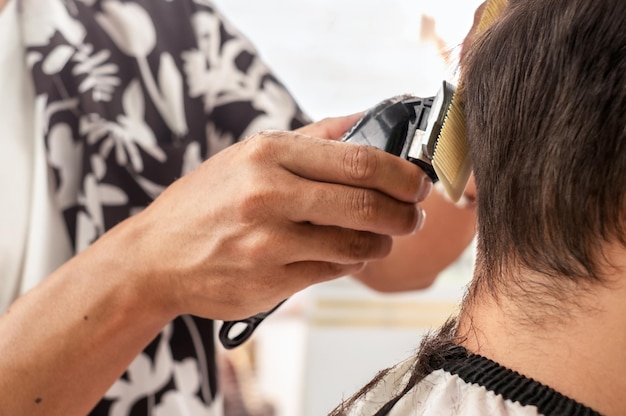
<point x="406" y="126"/>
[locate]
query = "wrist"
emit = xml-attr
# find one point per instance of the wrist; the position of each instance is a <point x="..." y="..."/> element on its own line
<point x="92" y="318"/>
<point x="122" y="259"/>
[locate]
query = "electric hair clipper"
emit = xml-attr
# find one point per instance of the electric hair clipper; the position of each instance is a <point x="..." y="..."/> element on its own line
<point x="406" y="126"/>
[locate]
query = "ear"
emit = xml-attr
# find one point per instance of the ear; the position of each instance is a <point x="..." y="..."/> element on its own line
<point x="469" y="38"/>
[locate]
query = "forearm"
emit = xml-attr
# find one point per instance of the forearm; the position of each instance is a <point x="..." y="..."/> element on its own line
<point x="65" y="342"/>
<point x="201" y="248"/>
<point x="415" y="261"/>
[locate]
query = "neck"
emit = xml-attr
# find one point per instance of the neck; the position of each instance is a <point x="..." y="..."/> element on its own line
<point x="582" y="354"/>
<point x="2" y="4"/>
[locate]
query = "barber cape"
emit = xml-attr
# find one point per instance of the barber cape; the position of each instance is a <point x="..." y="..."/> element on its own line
<point x="104" y="104"/>
<point x="463" y="384"/>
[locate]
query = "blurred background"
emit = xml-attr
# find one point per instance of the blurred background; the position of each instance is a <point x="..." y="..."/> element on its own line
<point x="339" y="57"/>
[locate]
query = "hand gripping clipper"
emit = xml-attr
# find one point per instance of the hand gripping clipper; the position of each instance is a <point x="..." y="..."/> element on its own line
<point x="406" y="126"/>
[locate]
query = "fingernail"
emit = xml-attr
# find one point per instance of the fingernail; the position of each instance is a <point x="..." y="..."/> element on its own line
<point x="421" y="218"/>
<point x="424" y="189"/>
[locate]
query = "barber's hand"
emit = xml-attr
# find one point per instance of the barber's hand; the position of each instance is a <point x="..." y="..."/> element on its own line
<point x="270" y="216"/>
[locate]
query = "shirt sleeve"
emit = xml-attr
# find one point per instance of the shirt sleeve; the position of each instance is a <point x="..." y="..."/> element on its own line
<point x="137" y="94"/>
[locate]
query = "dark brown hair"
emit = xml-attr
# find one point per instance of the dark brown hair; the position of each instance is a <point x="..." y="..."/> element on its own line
<point x="546" y="123"/>
<point x="545" y="92"/>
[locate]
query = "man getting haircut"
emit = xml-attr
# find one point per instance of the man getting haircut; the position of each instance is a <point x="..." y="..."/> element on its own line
<point x="542" y="329"/>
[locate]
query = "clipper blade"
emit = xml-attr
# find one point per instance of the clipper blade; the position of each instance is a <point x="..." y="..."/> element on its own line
<point x="492" y="11"/>
<point x="451" y="160"/>
<point x="451" y="157"/>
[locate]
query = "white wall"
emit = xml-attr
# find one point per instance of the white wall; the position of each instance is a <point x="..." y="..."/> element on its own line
<point x="342" y="56"/>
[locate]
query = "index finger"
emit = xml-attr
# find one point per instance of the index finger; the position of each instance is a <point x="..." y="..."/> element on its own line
<point x="332" y="128"/>
<point x="355" y="165"/>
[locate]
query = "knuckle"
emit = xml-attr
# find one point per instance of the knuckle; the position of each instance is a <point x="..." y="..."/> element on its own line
<point x="361" y="246"/>
<point x="256" y="204"/>
<point x="258" y="146"/>
<point x="360" y="162"/>
<point x="263" y="145"/>
<point x="365" y="208"/>
<point x="257" y="250"/>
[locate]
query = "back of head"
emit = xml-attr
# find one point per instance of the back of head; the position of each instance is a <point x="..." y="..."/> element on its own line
<point x="546" y="117"/>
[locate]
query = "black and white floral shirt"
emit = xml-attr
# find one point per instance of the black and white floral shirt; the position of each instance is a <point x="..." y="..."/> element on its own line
<point x="131" y="95"/>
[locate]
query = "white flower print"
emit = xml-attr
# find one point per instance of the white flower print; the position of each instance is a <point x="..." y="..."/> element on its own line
<point x="218" y="140"/>
<point x="134" y="125"/>
<point x="184" y="402"/>
<point x="151" y="188"/>
<point x="43" y="18"/>
<point x="33" y="58"/>
<point x="98" y="166"/>
<point x="86" y="231"/>
<point x="277" y="106"/>
<point x="195" y="67"/>
<point x="64" y="154"/>
<point x="127" y="135"/>
<point x="207" y="29"/>
<point x="201" y="354"/>
<point x="56" y="60"/>
<point x="206" y="68"/>
<point x="95" y="196"/>
<point x="145" y="377"/>
<point x="130" y="27"/>
<point x="192" y="158"/>
<point x="171" y="83"/>
<point x="69" y="104"/>
<point x="100" y="75"/>
<point x="206" y="3"/>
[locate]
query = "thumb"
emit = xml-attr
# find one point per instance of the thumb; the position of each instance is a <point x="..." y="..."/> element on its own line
<point x="332" y="128"/>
